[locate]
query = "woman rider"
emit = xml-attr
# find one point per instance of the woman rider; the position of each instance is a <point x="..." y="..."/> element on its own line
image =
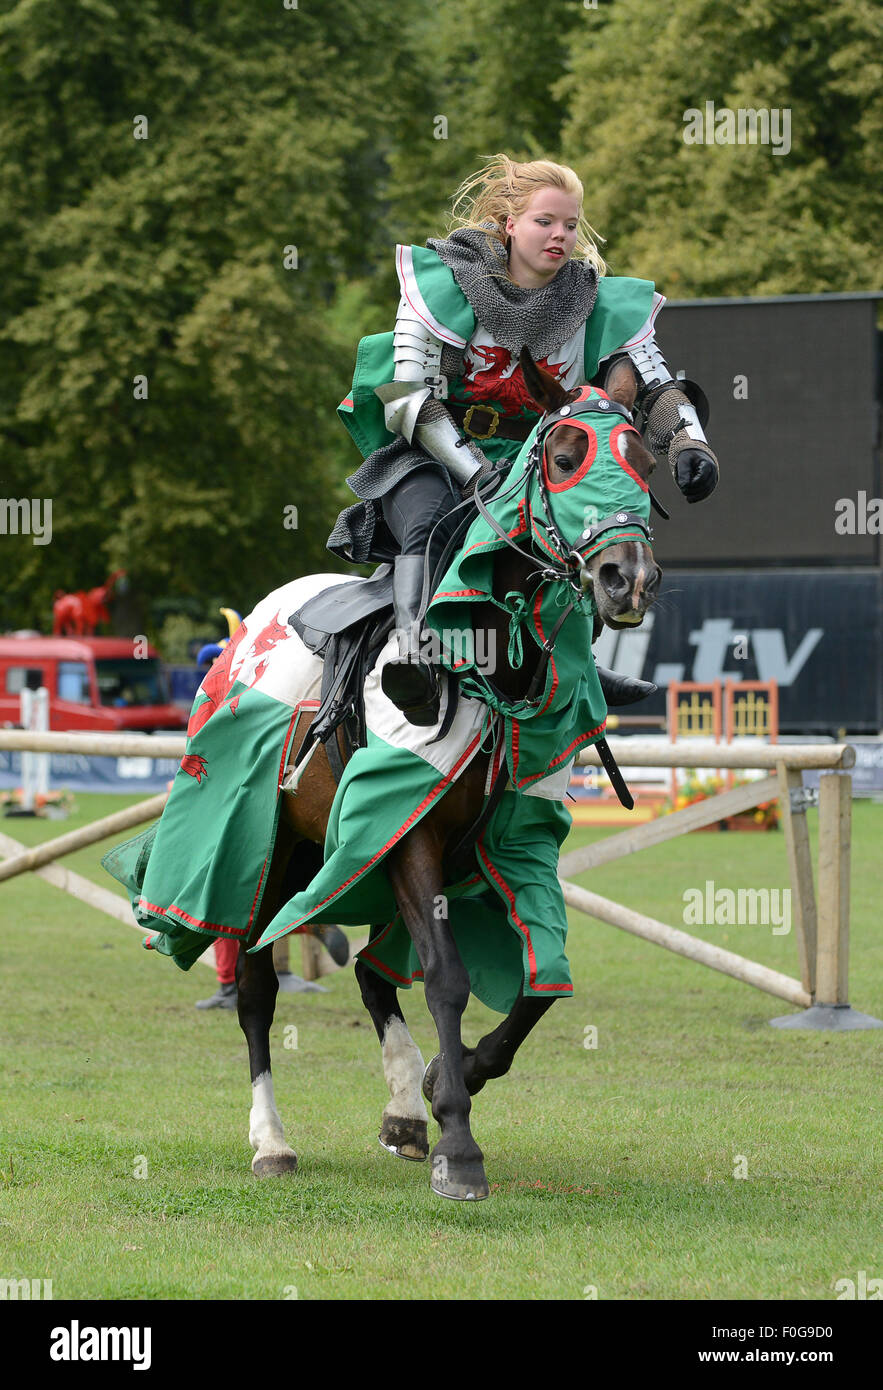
<point x="520" y="268"/>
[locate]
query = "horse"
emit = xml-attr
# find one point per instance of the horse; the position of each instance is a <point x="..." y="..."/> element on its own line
<point x="79" y="614"/>
<point x="623" y="579"/>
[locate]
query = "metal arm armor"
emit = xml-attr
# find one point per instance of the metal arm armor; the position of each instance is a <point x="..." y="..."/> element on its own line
<point x="673" y="410"/>
<point x="412" y="400"/>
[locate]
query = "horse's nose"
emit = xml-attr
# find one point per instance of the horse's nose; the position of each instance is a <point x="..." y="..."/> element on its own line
<point x="630" y="583"/>
<point x="614" y="581"/>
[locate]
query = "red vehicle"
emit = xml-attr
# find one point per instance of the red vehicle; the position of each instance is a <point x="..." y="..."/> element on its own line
<point x="94" y="683"/>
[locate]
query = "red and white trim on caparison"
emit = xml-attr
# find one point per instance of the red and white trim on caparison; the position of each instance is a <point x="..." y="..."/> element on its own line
<point x="506" y="893"/>
<point x="556" y="762"/>
<point x="647" y="327"/>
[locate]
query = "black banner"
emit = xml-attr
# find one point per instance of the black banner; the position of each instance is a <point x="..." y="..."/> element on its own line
<point x="819" y="633"/>
<point x="793" y="389"/>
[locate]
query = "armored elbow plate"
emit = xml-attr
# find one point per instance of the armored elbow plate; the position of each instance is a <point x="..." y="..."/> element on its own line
<point x="417" y="356"/>
<point x="401" y="405"/>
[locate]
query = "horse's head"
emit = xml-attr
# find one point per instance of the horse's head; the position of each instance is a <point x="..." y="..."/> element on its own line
<point x="601" y="464"/>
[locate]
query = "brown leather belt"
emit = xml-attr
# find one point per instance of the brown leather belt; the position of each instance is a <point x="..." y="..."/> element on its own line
<point x="483" y="422"/>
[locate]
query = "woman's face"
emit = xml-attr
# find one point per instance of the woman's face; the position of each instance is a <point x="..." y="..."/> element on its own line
<point x="542" y="238"/>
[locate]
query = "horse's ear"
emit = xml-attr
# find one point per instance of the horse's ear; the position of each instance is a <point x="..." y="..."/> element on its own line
<point x="621" y="383"/>
<point x="545" y="390"/>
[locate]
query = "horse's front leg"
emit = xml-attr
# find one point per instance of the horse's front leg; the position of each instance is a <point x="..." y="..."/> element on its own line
<point x="404" y="1125"/>
<point x="257" y="987"/>
<point x="414" y="868"/>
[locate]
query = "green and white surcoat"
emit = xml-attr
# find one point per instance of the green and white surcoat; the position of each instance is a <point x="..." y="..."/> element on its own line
<point x="622" y="308"/>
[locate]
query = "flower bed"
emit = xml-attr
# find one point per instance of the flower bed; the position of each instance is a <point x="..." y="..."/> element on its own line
<point x="765" y="816"/>
<point x="51" y="804"/>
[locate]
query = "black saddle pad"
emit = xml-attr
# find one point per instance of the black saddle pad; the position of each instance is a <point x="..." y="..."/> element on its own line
<point x="342" y="606"/>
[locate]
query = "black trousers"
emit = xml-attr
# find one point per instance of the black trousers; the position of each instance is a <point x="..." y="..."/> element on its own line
<point x="418" y="512"/>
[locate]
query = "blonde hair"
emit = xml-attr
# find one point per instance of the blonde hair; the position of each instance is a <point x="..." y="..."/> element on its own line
<point x="503" y="188"/>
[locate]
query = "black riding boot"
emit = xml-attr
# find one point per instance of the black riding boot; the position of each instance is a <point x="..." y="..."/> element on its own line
<point x="623" y="690"/>
<point x="410" y="681"/>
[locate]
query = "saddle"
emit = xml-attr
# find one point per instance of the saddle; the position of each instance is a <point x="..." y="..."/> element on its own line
<point x="346" y="625"/>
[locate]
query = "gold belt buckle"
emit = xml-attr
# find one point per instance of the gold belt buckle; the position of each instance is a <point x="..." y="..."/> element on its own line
<point x="488" y="410"/>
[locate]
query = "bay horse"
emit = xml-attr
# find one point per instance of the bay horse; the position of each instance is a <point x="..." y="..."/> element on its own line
<point x="624" y="581"/>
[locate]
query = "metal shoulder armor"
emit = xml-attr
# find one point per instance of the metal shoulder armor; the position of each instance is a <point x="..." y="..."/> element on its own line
<point x="417" y="355"/>
<point x="417" y="379"/>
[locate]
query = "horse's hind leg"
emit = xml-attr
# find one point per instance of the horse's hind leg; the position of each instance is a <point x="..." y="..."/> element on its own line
<point x="257" y="987"/>
<point x="494" y="1054"/>
<point x="404" y="1126"/>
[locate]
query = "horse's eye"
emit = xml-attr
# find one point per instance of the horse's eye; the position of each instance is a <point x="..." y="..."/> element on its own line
<point x="564" y="462"/>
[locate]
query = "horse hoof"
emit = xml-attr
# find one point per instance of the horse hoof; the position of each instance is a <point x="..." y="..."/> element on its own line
<point x="406" y="1138"/>
<point x="461" y="1181"/>
<point x="274" y="1165"/>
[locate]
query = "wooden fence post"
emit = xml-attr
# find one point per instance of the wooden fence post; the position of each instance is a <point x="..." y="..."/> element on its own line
<point x="835" y="821"/>
<point x="803" y="898"/>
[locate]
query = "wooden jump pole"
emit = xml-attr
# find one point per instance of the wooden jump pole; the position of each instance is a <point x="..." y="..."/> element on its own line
<point x="629" y="752"/>
<point x="86" y="835"/>
<point x="643" y="752"/>
<point x="835" y="823"/>
<point x="793" y="802"/>
<point x="656" y="832"/>
<point x="92" y="894"/>
<point x="672" y="939"/>
<point x="96" y="745"/>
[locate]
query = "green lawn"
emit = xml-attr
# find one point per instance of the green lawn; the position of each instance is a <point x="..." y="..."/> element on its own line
<point x="611" y="1167"/>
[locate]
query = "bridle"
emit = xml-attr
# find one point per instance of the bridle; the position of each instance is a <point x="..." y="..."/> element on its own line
<point x="571" y="561"/>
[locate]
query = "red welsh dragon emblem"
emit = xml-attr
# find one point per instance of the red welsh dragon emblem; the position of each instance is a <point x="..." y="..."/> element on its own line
<point x="499" y="382"/>
<point x="194" y="764"/>
<point x="218" y="682"/>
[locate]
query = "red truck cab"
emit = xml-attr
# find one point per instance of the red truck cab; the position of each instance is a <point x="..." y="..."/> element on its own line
<point x="94" y="683"/>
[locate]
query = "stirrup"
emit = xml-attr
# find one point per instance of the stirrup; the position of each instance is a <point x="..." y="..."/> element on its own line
<point x="413" y="688"/>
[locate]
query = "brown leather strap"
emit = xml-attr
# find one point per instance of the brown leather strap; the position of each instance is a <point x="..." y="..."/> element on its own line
<point x="480" y="422"/>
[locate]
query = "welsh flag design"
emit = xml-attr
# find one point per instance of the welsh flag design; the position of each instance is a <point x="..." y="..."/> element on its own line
<point x="200" y="872"/>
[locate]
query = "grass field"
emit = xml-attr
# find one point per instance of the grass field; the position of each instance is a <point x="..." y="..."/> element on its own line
<point x="612" y="1168"/>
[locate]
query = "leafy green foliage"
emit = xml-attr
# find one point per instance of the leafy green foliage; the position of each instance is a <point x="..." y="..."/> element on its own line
<point x="727" y="219"/>
<point x="318" y="129"/>
<point x="164" y="258"/>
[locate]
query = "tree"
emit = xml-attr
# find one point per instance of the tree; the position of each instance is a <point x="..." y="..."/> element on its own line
<point x="731" y="219"/>
<point x="168" y="369"/>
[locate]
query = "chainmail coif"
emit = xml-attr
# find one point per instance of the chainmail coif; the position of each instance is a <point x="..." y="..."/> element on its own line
<point x="540" y="319"/>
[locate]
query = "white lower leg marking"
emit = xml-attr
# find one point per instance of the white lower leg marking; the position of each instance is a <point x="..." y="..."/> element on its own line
<point x="265" y="1133"/>
<point x="403" y="1068"/>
